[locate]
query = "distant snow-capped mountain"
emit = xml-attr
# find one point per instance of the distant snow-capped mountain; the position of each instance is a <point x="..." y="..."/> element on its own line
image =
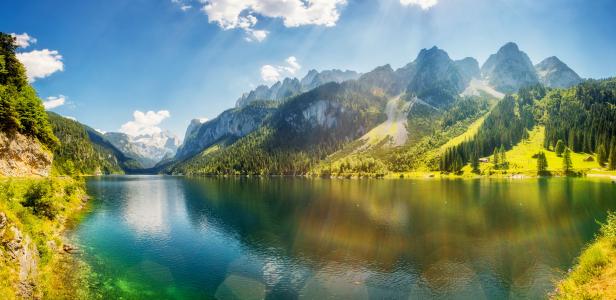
<point x="148" y="149"/>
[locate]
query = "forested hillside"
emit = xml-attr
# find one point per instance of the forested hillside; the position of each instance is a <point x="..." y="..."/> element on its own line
<point x="580" y="119"/>
<point x="433" y="114"/>
<point x="20" y="108"/>
<point x="301" y="132"/>
<point x="84" y="151"/>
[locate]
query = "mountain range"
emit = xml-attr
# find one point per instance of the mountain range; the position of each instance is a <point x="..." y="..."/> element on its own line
<point x="325" y="111"/>
<point x="335" y="122"/>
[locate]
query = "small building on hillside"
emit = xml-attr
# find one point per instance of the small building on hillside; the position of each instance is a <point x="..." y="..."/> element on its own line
<point x="484" y="160"/>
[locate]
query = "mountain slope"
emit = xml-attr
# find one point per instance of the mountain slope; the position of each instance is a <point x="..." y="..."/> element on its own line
<point x="437" y="79"/>
<point x="280" y="91"/>
<point x="148" y="149"/>
<point x="554" y="73"/>
<point x="422" y="116"/>
<point x="298" y="134"/>
<point x="84" y="151"/>
<point x="25" y="133"/>
<point x="509" y="69"/>
<point x="233" y="123"/>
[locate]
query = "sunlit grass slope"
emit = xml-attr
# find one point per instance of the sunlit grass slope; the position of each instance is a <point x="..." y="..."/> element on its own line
<point x="521" y="160"/>
<point x="37" y="209"/>
<point x="594" y="276"/>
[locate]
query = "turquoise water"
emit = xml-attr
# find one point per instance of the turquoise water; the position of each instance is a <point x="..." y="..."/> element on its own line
<point x="155" y="237"/>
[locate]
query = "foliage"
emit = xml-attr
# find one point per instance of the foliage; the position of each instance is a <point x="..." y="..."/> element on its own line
<point x="567" y="161"/>
<point x="39" y="197"/>
<point x="560" y="148"/>
<point x="602" y="155"/>
<point x="583" y="116"/>
<point x="302" y="132"/>
<point x="580" y="119"/>
<point x="37" y="208"/>
<point x="612" y="161"/>
<point x="20" y="108"/>
<point x="595" y="271"/>
<point x="78" y="154"/>
<point x="542" y="163"/>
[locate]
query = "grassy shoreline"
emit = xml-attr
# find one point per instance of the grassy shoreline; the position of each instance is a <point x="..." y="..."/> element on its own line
<point x="36" y="212"/>
<point x="594" y="275"/>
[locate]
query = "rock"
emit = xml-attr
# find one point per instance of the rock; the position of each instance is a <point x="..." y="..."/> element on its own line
<point x="69" y="248"/>
<point x="509" y="69"/>
<point x="554" y="73"/>
<point x="3" y="220"/>
<point x="21" y="155"/>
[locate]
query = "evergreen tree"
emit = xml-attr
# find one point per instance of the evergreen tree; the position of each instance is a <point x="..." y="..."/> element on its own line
<point x="567" y="161"/>
<point x="503" y="158"/>
<point x="496" y="159"/>
<point x="602" y="155"/>
<point x="612" y="161"/>
<point x="475" y="161"/>
<point x="542" y="163"/>
<point x="560" y="148"/>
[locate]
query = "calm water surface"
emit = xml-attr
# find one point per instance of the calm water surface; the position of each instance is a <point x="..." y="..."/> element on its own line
<point x="151" y="237"/>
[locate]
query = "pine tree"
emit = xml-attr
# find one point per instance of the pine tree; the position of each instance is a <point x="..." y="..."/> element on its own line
<point x="612" y="161"/>
<point x="602" y="155"/>
<point x="475" y="161"/>
<point x="503" y="158"/>
<point x="495" y="158"/>
<point x="560" y="148"/>
<point x="542" y="163"/>
<point x="567" y="161"/>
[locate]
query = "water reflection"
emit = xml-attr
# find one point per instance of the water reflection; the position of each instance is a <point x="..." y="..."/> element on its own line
<point x="297" y="238"/>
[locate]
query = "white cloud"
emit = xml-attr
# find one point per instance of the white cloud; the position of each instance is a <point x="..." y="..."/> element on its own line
<point x="23" y="40"/>
<point x="182" y="5"/>
<point x="70" y="118"/>
<point x="100" y="131"/>
<point x="271" y="73"/>
<point x="41" y="63"/>
<point x="229" y="14"/>
<point x="145" y="123"/>
<point x="53" y="102"/>
<point x="253" y="35"/>
<point x="424" y="4"/>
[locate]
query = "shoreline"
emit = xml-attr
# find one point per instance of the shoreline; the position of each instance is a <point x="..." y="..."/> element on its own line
<point x="37" y="263"/>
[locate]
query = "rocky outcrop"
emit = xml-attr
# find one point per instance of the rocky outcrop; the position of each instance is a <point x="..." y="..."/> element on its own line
<point x="314" y="78"/>
<point x="437" y="78"/>
<point x="232" y="123"/>
<point x="19" y="251"/>
<point x="554" y="73"/>
<point x="469" y="68"/>
<point x="509" y="69"/>
<point x="289" y="87"/>
<point x="21" y="155"/>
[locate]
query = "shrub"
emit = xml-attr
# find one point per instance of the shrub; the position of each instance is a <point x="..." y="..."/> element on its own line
<point x="39" y="197"/>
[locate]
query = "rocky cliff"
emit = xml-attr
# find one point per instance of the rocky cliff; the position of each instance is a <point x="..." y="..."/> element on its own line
<point x="21" y="155"/>
<point x="554" y="73"/>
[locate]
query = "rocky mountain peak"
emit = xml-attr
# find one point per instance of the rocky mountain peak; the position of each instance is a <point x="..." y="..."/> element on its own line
<point x="509" y="69"/>
<point x="554" y="73"/>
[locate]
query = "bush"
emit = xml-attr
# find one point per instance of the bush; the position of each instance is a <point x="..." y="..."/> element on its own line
<point x="39" y="197"/>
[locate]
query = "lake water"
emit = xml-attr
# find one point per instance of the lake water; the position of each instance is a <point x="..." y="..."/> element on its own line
<point x="155" y="237"/>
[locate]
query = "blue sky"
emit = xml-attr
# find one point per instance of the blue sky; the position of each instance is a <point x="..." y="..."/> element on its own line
<point x="122" y="56"/>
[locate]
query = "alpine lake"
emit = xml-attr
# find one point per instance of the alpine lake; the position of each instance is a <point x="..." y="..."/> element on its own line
<point x="165" y="237"/>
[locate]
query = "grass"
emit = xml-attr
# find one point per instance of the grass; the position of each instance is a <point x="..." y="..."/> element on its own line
<point x="467" y="135"/>
<point x="521" y="160"/>
<point x="52" y="201"/>
<point x="594" y="276"/>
